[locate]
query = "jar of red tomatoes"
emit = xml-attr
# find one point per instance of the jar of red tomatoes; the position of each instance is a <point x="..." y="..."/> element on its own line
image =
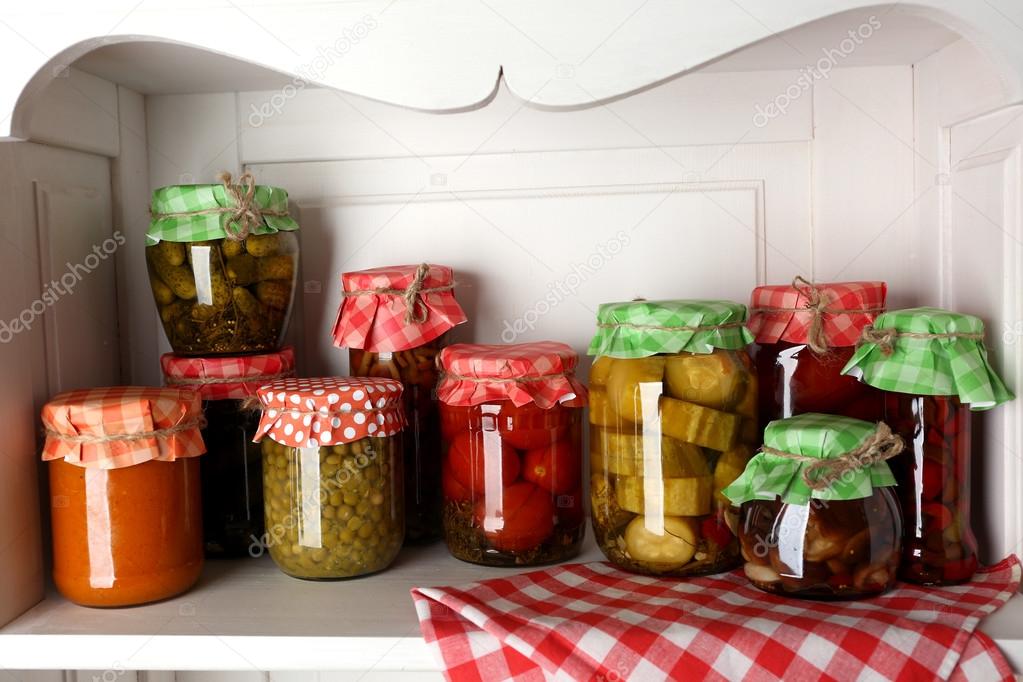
<point x="819" y="518"/>
<point x="511" y="417"/>
<point x="805" y="334"/>
<point x="394" y="321"/>
<point x="124" y="493"/>
<point x="934" y="366"/>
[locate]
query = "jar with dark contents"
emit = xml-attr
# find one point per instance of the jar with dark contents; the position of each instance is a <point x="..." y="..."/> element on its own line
<point x="934" y="367"/>
<point x="819" y="517"/>
<point x="231" y="472"/>
<point x="394" y="321"/>
<point x="332" y="481"/>
<point x="806" y="332"/>
<point x="223" y="278"/>
<point x="512" y="471"/>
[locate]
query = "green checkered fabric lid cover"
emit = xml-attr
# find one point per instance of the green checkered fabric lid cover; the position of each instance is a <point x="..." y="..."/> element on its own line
<point x="639" y="329"/>
<point x="192" y="213"/>
<point x="892" y="358"/>
<point x="820" y="436"/>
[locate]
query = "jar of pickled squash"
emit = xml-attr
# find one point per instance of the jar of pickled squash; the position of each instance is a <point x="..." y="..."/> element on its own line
<point x="819" y="518"/>
<point x="124" y="493"/>
<point x="805" y="333"/>
<point x="673" y="409"/>
<point x="934" y="366"/>
<point x="394" y="321"/>
<point x="223" y="262"/>
<point x="511" y="417"/>
<point x="332" y="481"/>
<point x="231" y="471"/>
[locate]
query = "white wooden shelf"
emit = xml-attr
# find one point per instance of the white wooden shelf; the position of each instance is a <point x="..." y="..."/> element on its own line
<point x="247" y="615"/>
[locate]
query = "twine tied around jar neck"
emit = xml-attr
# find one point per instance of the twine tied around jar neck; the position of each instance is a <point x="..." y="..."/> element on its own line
<point x="416" y="311"/>
<point x="207" y="381"/>
<point x="501" y="380"/>
<point x="885" y="338"/>
<point x="676" y="328"/>
<point x="196" y="423"/>
<point x="880" y="446"/>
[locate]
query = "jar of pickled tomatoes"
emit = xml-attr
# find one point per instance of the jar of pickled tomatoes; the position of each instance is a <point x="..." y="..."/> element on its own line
<point x="805" y="333"/>
<point x="672" y="422"/>
<point x="124" y="493"/>
<point x="511" y="417"/>
<point x="819" y="518"/>
<point x="394" y="321"/>
<point x="934" y="367"/>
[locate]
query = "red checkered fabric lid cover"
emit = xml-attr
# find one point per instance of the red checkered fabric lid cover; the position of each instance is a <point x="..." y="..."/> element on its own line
<point x="146" y="423"/>
<point x="376" y="321"/>
<point x="782" y="312"/>
<point x="227" y="378"/>
<point x="311" y="413"/>
<point x="542" y="373"/>
<point x="594" y="622"/>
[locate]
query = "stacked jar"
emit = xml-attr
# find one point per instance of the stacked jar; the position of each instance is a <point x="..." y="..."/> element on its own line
<point x="673" y="421"/>
<point x="231" y="471"/>
<point x="394" y="321"/>
<point x="124" y="493"/>
<point x="512" y="473"/>
<point x="934" y="367"/>
<point x="332" y="481"/>
<point x="805" y="333"/>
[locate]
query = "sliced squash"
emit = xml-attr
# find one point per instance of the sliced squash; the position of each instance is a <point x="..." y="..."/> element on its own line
<point x="713" y="380"/>
<point x="682" y="496"/>
<point x="704" y="426"/>
<point x="630" y="382"/>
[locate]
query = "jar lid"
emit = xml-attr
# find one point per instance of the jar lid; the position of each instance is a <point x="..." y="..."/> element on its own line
<point x="928" y="351"/>
<point x="821" y="314"/>
<point x="227" y="377"/>
<point x="111" y="428"/>
<point x="396" y="308"/>
<point x="192" y="213"/>
<point x="818" y="456"/>
<point x="639" y="329"/>
<point x="310" y="413"/>
<point x="542" y="373"/>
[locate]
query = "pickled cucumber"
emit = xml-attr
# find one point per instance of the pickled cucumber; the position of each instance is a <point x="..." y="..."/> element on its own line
<point x="712" y="380"/>
<point x="274" y="294"/>
<point x="622" y="453"/>
<point x="681" y="496"/>
<point x="172" y="253"/>
<point x="233" y="247"/>
<point x="699" y="425"/>
<point x="281" y="266"/>
<point x="161" y="292"/>
<point x="260" y="245"/>
<point x="634" y="385"/>
<point x="241" y="269"/>
<point x="178" y="277"/>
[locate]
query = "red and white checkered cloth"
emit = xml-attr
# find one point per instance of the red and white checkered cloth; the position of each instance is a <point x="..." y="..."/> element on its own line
<point x="778" y="312"/>
<point x="229" y="377"/>
<point x="120" y="411"/>
<point x="594" y="622"/>
<point x="376" y="321"/>
<point x="542" y="373"/>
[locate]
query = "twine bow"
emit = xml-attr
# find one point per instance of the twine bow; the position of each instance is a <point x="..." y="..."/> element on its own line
<point x="416" y="311"/>
<point x="880" y="446"/>
<point x="885" y="339"/>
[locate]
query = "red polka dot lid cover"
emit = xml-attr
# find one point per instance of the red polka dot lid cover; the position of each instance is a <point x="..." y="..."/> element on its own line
<point x="309" y="413"/>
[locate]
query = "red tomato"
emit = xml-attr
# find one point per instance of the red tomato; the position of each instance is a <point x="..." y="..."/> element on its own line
<point x="474" y="456"/>
<point x="453" y="421"/>
<point x="715" y="530"/>
<point x="529" y="426"/>
<point x="525" y="520"/>
<point x="453" y="490"/>
<point x="555" y="468"/>
<point x="569" y="509"/>
<point x="933" y="481"/>
<point x="817" y="385"/>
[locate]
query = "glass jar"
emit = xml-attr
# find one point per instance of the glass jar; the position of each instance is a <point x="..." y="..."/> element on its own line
<point x="126" y="513"/>
<point x="332" y="480"/>
<point x="394" y="321"/>
<point x="806" y="333"/>
<point x="512" y="474"/>
<point x="818" y="517"/>
<point x="226" y="289"/>
<point x="672" y="422"/>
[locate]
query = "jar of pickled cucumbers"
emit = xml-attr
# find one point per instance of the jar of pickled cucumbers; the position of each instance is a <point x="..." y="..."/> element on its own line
<point x="511" y="418"/>
<point x="231" y="471"/>
<point x="819" y="515"/>
<point x="934" y="367"/>
<point x="125" y="508"/>
<point x="394" y="321"/>
<point x="673" y="409"/>
<point x="805" y="333"/>
<point x="223" y="262"/>
<point x="332" y="481"/>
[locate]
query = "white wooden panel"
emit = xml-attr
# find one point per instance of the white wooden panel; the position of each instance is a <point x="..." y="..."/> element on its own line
<point x="863" y="197"/>
<point x="78" y="110"/>
<point x="32" y="676"/>
<point x="215" y="676"/>
<point x="190" y="138"/>
<point x="984" y="263"/>
<point x="114" y="674"/>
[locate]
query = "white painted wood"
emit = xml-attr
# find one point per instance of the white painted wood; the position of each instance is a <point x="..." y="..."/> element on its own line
<point x="32" y="675"/>
<point x="220" y="676"/>
<point x="114" y="674"/>
<point x="78" y="111"/>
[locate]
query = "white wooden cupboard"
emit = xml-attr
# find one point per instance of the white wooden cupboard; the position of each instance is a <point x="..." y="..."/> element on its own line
<point x="556" y="156"/>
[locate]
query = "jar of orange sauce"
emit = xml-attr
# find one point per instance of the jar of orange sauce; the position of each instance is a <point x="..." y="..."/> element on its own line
<point x="124" y="493"/>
